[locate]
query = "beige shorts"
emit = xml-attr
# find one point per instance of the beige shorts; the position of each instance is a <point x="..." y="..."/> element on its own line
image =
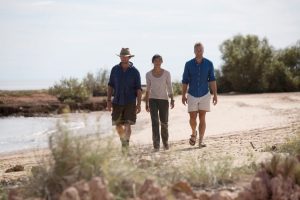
<point x="198" y="103"/>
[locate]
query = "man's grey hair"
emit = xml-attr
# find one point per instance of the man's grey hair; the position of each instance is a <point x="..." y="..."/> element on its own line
<point x="198" y="44"/>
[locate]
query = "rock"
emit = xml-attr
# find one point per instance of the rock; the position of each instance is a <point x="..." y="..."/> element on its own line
<point x="13" y="194"/>
<point x="83" y="189"/>
<point x="183" y="187"/>
<point x="150" y="191"/>
<point x="296" y="195"/>
<point x="282" y="188"/>
<point x="70" y="194"/>
<point x="246" y="194"/>
<point x="222" y="195"/>
<point x="203" y="196"/>
<point x="260" y="189"/>
<point x="16" y="168"/>
<point x="98" y="190"/>
<point x="183" y="196"/>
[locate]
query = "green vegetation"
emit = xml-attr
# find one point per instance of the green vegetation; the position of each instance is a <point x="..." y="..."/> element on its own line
<point x="97" y="84"/>
<point x="177" y="88"/>
<point x="73" y="90"/>
<point x="70" y="90"/>
<point x="252" y="65"/>
<point x="3" y="194"/>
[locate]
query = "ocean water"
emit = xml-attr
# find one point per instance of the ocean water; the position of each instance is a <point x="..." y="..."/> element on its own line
<point x="20" y="133"/>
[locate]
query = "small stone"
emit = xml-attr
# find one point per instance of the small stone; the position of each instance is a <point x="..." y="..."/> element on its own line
<point x="183" y="187"/>
<point x="70" y="194"/>
<point x="98" y="190"/>
<point x="16" y="168"/>
<point x="150" y="191"/>
<point x="223" y="195"/>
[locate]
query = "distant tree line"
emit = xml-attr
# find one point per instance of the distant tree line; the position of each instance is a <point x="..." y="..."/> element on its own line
<point x="252" y="65"/>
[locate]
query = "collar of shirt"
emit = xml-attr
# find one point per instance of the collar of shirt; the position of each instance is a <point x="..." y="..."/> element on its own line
<point x="130" y="65"/>
<point x="197" y="64"/>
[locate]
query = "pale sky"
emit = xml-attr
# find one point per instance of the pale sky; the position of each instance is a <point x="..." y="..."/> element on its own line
<point x="42" y="41"/>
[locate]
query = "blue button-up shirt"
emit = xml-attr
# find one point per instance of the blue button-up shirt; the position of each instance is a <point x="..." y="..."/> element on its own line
<point x="197" y="76"/>
<point x="125" y="84"/>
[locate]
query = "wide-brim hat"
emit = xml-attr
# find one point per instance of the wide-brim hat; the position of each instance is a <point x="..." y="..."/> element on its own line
<point x="125" y="52"/>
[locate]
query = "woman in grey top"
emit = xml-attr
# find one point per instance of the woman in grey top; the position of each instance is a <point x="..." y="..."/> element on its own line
<point x="159" y="89"/>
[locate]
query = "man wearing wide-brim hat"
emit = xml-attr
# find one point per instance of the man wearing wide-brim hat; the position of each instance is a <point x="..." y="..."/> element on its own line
<point x="125" y="84"/>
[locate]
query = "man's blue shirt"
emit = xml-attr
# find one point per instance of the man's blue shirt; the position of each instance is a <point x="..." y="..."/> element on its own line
<point x="125" y="84"/>
<point x="197" y="76"/>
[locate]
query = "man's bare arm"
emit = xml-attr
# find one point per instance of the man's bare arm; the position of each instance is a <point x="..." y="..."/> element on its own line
<point x="213" y="87"/>
<point x="184" y="90"/>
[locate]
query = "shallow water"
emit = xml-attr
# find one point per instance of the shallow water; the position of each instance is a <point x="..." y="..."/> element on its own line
<point x="19" y="133"/>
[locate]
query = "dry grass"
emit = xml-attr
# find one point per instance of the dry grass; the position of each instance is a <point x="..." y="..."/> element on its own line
<point x="76" y="158"/>
<point x="3" y="194"/>
<point x="292" y="145"/>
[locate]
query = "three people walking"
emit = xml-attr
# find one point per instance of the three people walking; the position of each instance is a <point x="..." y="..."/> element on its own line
<point x="125" y="85"/>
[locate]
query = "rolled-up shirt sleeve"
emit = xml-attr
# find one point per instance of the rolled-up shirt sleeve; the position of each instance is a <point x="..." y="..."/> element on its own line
<point x="185" y="76"/>
<point x="211" y="74"/>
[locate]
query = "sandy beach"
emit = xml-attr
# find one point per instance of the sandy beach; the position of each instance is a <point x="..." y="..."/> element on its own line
<point x="262" y="119"/>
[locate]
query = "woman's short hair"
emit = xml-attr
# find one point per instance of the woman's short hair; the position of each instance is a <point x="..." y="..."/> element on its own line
<point x="157" y="56"/>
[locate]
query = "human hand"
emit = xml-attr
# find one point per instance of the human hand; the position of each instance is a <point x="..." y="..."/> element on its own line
<point x="138" y="109"/>
<point x="172" y="104"/>
<point x="147" y="107"/>
<point x="109" y="106"/>
<point x="215" y="100"/>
